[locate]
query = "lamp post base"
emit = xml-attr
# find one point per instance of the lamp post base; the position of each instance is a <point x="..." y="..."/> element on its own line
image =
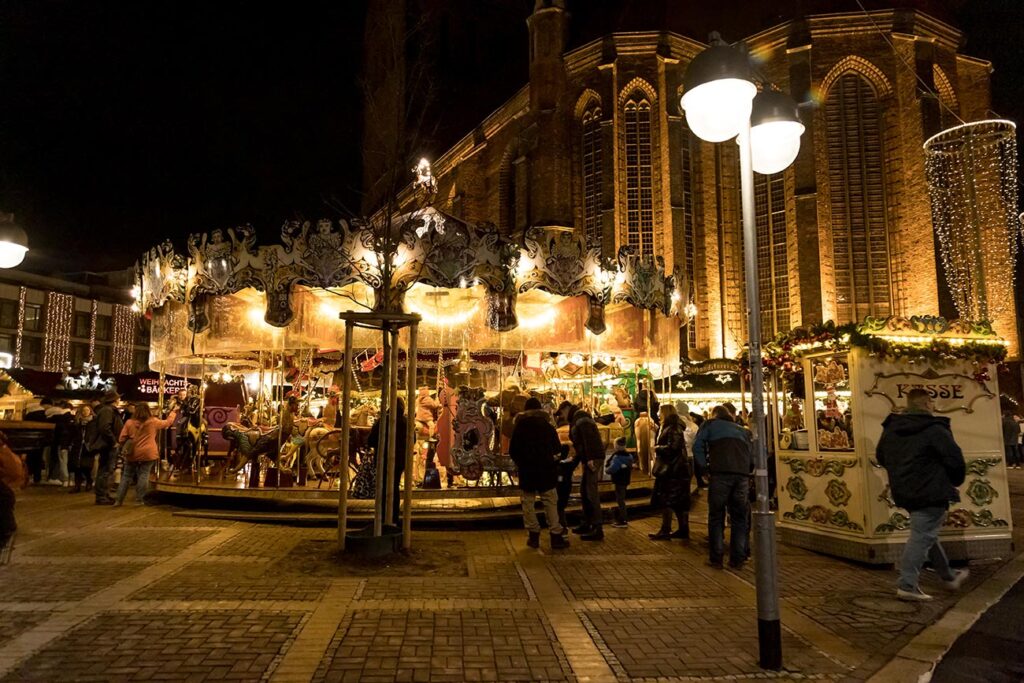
<point x="769" y="639"/>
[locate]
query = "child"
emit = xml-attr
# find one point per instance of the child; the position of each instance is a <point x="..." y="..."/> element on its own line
<point x="620" y="467"/>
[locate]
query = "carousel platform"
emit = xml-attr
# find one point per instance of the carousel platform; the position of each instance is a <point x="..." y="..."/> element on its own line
<point x="310" y="505"/>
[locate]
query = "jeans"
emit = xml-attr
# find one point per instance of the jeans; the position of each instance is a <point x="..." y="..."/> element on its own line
<point x="729" y="491"/>
<point x="140" y="472"/>
<point x="1012" y="455"/>
<point x="549" y="499"/>
<point x="620" y="503"/>
<point x="60" y="465"/>
<point x="564" y="490"/>
<point x="104" y="470"/>
<point x="923" y="543"/>
<point x="590" y="494"/>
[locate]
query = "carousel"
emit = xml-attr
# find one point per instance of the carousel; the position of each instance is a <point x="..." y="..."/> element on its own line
<point x="326" y="329"/>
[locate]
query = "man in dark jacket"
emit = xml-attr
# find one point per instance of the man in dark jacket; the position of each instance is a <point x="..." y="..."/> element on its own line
<point x="400" y="450"/>
<point x="1011" y="434"/>
<point x="722" y="447"/>
<point x="101" y="436"/>
<point x="533" y="446"/>
<point x="586" y="440"/>
<point x="925" y="466"/>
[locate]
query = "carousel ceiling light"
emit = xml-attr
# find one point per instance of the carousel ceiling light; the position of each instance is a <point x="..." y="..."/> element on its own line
<point x="13" y="242"/>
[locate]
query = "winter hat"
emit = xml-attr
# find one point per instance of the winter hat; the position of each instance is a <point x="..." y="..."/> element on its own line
<point x="532" y="403"/>
<point x="620" y="443"/>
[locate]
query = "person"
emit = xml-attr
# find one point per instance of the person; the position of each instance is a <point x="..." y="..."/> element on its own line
<point x="101" y="434"/>
<point x="36" y="457"/>
<point x="13" y="476"/>
<point x="59" y="414"/>
<point x="724" y="449"/>
<point x="80" y="461"/>
<point x="925" y="465"/>
<point x="1011" y="432"/>
<point x="671" y="477"/>
<point x="534" y="447"/>
<point x="646" y="400"/>
<point x="567" y="463"/>
<point x="400" y="432"/>
<point x="644" y="430"/>
<point x="142" y="429"/>
<point x="620" y="468"/>
<point x="586" y="440"/>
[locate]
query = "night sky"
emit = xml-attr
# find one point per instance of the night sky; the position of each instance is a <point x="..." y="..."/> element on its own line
<point x="125" y="123"/>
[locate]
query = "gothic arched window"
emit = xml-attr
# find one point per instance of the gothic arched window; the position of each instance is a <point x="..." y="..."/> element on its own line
<point x="772" y="252"/>
<point x="636" y="113"/>
<point x="856" y="178"/>
<point x="590" y="153"/>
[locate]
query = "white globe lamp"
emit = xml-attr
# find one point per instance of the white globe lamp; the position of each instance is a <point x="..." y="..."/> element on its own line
<point x="717" y="91"/>
<point x="13" y="242"/>
<point x="775" y="131"/>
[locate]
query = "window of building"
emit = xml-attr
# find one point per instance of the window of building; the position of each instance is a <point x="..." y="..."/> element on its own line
<point x="772" y="252"/>
<point x="32" y="351"/>
<point x="101" y="357"/>
<point x="592" y="174"/>
<point x="856" y="176"/>
<point x="7" y="343"/>
<point x="140" y="361"/>
<point x="689" y="236"/>
<point x="79" y="355"/>
<point x="83" y="323"/>
<point x="9" y="314"/>
<point x="639" y="175"/>
<point x="33" y="317"/>
<point x="104" y="328"/>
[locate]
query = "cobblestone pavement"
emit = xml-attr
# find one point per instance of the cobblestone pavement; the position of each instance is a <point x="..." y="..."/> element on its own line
<point x="137" y="593"/>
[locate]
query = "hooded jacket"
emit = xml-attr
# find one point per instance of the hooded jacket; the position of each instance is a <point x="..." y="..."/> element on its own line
<point x="923" y="461"/>
<point x="586" y="438"/>
<point x="534" y="447"/>
<point x="723" y="447"/>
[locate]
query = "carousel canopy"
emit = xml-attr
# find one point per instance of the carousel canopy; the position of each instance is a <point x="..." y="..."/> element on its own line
<point x="473" y="287"/>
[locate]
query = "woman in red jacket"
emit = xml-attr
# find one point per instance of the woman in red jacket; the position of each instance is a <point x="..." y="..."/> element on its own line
<point x="142" y="430"/>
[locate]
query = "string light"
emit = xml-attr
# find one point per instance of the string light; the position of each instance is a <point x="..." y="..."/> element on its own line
<point x="450" y="320"/>
<point x="92" y="330"/>
<point x="971" y="171"/>
<point x="124" y="339"/>
<point x="59" y="313"/>
<point x="22" y="293"/>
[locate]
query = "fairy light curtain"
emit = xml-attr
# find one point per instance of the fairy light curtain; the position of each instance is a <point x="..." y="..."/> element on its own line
<point x="971" y="171"/>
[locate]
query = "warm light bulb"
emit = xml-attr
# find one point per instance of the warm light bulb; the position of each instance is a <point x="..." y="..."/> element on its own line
<point x="774" y="145"/>
<point x="716" y="111"/>
<point x="11" y="254"/>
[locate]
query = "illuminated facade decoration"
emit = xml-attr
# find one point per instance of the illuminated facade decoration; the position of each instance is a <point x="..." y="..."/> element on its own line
<point x="59" y="312"/>
<point x="851" y="233"/>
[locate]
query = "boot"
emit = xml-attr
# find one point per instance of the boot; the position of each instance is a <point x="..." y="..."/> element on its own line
<point x="683" y="534"/>
<point x="77" y="489"/>
<point x="559" y="541"/>
<point x="534" y="540"/>
<point x="583" y="528"/>
<point x="597" y="534"/>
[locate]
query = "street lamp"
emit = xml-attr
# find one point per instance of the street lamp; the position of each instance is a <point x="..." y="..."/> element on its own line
<point x="721" y="102"/>
<point x="13" y="242"/>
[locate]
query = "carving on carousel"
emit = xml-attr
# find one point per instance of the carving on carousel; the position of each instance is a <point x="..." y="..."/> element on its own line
<point x="434" y="249"/>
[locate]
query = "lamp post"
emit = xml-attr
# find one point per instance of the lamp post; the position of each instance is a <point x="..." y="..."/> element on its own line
<point x="721" y="102"/>
<point x="13" y="242"/>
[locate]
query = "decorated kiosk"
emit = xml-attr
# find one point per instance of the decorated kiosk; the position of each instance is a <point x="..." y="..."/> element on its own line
<point x="831" y="388"/>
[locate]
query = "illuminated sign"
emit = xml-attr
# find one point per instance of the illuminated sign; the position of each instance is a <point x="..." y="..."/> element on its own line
<point x="172" y="385"/>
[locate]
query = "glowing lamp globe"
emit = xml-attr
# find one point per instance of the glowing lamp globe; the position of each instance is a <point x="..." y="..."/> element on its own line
<point x="13" y="242"/>
<point x="717" y="92"/>
<point x="775" y="131"/>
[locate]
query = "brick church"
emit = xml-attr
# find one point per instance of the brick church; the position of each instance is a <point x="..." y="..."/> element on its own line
<point x="596" y="141"/>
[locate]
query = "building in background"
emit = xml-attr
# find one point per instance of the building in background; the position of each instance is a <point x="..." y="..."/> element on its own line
<point x="46" y="322"/>
<point x="596" y="142"/>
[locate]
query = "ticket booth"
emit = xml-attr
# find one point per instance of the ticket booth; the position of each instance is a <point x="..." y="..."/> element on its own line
<point x="830" y="390"/>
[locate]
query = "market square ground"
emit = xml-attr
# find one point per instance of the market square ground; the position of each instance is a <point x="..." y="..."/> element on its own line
<point x="100" y="594"/>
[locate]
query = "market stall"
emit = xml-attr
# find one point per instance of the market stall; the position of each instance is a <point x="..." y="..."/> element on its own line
<point x="831" y="388"/>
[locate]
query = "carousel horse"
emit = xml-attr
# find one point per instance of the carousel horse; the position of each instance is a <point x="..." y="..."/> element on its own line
<point x="323" y="450"/>
<point x="192" y="437"/>
<point x="251" y="443"/>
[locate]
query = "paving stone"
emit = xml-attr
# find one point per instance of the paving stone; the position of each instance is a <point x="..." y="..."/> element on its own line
<point x="14" y="623"/>
<point x="119" y="543"/>
<point x="193" y="646"/>
<point x="484" y="645"/>
<point x="35" y="582"/>
<point x="622" y="578"/>
<point x="232" y="581"/>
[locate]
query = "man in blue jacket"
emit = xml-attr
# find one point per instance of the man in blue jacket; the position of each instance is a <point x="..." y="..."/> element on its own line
<point x="925" y="465"/>
<point x="722" y="447"/>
